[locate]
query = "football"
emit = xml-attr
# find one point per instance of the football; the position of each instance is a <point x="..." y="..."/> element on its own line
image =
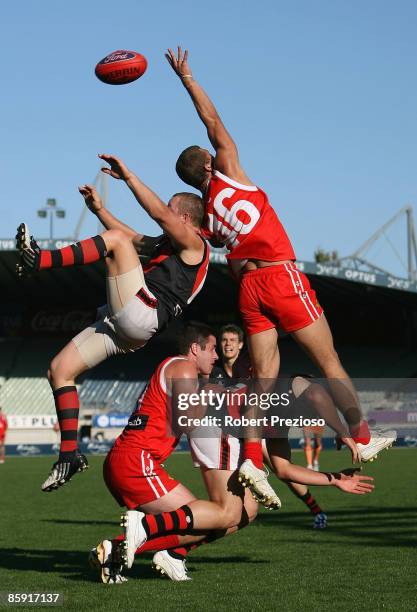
<point x="121" y="67"/>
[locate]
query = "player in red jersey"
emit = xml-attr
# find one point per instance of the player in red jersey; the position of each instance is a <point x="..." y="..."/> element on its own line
<point x="272" y="290"/>
<point x="3" y="430"/>
<point x="143" y="529"/>
<point x="140" y="302"/>
<point x="161" y="507"/>
<point x="135" y="477"/>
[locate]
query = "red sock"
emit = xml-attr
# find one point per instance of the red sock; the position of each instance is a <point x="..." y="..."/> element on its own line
<point x="67" y="407"/>
<point x="182" y="551"/>
<point x="177" y="521"/>
<point x="360" y="433"/>
<point x="311" y="503"/>
<point x="162" y="543"/>
<point x="253" y="451"/>
<point x="83" y="252"/>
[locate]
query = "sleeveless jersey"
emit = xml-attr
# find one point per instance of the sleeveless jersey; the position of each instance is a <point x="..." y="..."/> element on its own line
<point x="148" y="427"/>
<point x="173" y="282"/>
<point x="3" y="425"/>
<point x="242" y="219"/>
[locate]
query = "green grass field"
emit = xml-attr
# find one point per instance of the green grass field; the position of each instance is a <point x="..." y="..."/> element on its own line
<point x="365" y="560"/>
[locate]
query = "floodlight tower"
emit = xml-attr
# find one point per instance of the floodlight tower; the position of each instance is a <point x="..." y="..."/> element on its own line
<point x="52" y="210"/>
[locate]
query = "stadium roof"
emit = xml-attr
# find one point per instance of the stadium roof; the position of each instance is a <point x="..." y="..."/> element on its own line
<point x="364" y="308"/>
<point x="348" y="270"/>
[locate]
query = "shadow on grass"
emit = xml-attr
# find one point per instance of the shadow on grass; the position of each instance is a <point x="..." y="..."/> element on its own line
<point x="387" y="527"/>
<point x="79" y="522"/>
<point x="73" y="565"/>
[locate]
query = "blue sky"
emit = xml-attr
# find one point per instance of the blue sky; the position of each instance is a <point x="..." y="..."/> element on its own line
<point x="320" y="97"/>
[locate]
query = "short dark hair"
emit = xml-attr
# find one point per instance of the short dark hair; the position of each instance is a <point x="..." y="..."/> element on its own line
<point x="190" y="166"/>
<point x="231" y="328"/>
<point x="192" y="204"/>
<point x="194" y="332"/>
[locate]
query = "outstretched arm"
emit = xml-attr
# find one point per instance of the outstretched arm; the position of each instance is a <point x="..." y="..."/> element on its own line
<point x="152" y="204"/>
<point x="95" y="205"/>
<point x="227" y="159"/>
<point x="349" y="481"/>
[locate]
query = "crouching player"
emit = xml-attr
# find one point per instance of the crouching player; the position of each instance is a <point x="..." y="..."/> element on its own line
<point x="163" y="515"/>
<point x="228" y="510"/>
<point x="144" y="531"/>
<point x="135" y="476"/>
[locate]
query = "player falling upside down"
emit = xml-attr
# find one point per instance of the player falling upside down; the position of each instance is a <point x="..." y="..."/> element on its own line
<point x="272" y="290"/>
<point x="141" y="302"/>
<point x="163" y="513"/>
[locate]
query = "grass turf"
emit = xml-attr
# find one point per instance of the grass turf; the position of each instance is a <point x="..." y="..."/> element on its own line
<point x="365" y="560"/>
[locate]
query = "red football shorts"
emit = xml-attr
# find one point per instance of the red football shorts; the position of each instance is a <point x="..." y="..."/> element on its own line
<point x="277" y="296"/>
<point x="134" y="477"/>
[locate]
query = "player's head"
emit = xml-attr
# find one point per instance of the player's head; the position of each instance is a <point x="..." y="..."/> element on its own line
<point x="198" y="343"/>
<point x="231" y="341"/>
<point x="194" y="166"/>
<point x="188" y="206"/>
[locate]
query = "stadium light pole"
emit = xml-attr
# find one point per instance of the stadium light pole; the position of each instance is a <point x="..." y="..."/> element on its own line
<point x="54" y="211"/>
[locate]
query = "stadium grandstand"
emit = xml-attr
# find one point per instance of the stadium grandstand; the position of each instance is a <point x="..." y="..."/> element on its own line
<point x="373" y="316"/>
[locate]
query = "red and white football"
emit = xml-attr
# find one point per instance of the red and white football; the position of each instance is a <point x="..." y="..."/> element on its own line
<point x="121" y="67"/>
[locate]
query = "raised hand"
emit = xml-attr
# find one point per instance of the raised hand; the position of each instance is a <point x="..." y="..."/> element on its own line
<point x="91" y="198"/>
<point x="179" y="62"/>
<point x="117" y="170"/>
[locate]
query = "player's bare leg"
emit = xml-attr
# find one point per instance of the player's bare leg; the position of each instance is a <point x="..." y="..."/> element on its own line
<point x="222" y="514"/>
<point x="317" y="451"/>
<point x="2" y="452"/>
<point x="317" y="341"/>
<point x="308" y="451"/>
<point x="106" y="557"/>
<point x="225" y="489"/>
<point x="87" y="350"/>
<point x="265" y="361"/>
<point x="222" y="487"/>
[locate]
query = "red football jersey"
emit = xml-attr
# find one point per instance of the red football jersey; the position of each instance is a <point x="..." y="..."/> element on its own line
<point x="3" y="425"/>
<point x="149" y="427"/>
<point x="241" y="217"/>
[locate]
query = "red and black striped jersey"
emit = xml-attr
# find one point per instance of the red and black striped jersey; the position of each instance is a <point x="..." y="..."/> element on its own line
<point x="173" y="282"/>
